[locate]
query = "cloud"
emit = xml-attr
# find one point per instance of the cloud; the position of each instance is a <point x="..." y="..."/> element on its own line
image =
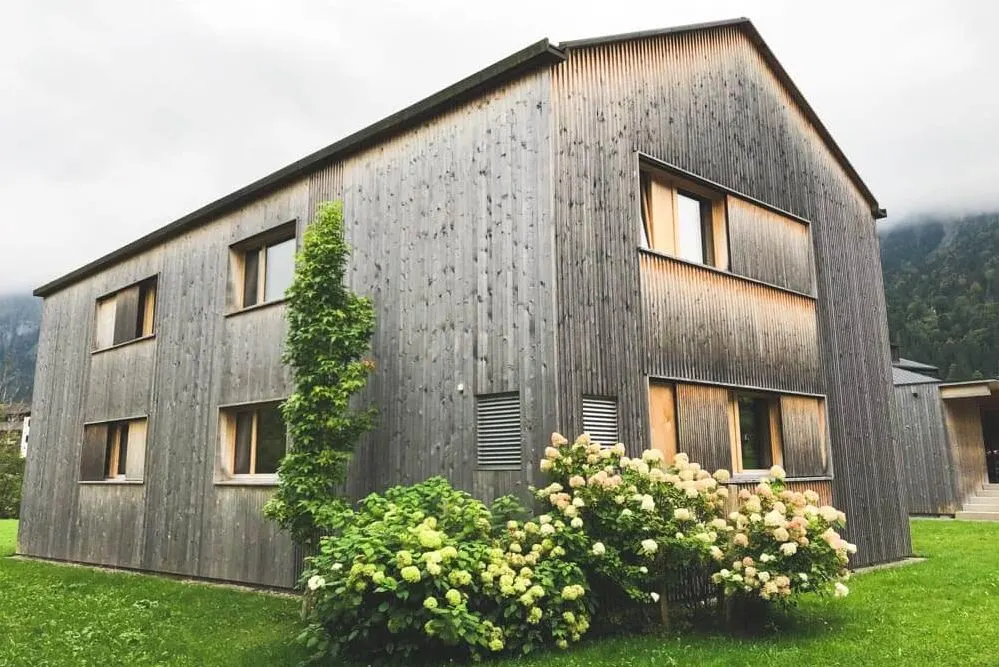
<point x="119" y="117"/>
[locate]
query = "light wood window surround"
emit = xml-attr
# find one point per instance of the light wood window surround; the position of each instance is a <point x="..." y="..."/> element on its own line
<point x="682" y="218"/>
<point x="253" y="440"/>
<point x="114" y="451"/>
<point x="755" y="432"/>
<point x="662" y="417"/>
<point x="125" y="315"/>
<point x="262" y="268"/>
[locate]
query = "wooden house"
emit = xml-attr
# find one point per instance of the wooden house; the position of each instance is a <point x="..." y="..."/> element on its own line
<point x="651" y="237"/>
<point x="948" y="438"/>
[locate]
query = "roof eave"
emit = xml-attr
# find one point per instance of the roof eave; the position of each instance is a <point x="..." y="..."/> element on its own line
<point x="528" y="59"/>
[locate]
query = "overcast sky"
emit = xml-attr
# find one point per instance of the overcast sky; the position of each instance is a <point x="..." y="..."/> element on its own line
<point x="119" y="116"/>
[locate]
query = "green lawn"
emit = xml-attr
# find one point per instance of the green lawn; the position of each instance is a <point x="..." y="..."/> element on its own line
<point x="941" y="612"/>
<point x="63" y="615"/>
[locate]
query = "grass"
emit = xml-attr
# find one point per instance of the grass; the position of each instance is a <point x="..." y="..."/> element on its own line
<point x="63" y="615"/>
<point x="938" y="612"/>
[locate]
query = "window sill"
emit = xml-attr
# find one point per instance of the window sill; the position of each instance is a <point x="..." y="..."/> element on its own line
<point x="754" y="477"/>
<point x="117" y="346"/>
<point x="111" y="482"/>
<point x="258" y="480"/>
<point x="254" y="307"/>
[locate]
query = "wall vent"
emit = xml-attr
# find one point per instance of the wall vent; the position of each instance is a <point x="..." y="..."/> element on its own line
<point x="600" y="419"/>
<point x="498" y="433"/>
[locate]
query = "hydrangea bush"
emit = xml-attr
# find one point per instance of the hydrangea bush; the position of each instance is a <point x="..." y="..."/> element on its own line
<point x="641" y="524"/>
<point x="423" y="568"/>
<point x="782" y="543"/>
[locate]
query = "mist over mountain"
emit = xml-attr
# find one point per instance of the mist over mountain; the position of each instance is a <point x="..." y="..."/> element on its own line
<point x="941" y="276"/>
<point x="20" y="317"/>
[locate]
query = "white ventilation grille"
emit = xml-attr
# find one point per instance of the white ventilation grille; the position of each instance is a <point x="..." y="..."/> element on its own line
<point x="498" y="432"/>
<point x="600" y="419"/>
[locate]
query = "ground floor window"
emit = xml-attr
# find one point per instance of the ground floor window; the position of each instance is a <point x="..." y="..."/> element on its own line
<point x="755" y="431"/>
<point x="253" y="440"/>
<point x="114" y="451"/>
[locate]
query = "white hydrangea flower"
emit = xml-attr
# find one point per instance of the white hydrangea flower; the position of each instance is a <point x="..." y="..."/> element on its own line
<point x="316" y="582"/>
<point x="599" y="549"/>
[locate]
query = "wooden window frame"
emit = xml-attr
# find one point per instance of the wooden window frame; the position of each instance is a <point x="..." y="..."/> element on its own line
<point x="101" y="458"/>
<point x="660" y="231"/>
<point x="106" y="313"/>
<point x="735" y="435"/>
<point x="227" y="441"/>
<point x="256" y="245"/>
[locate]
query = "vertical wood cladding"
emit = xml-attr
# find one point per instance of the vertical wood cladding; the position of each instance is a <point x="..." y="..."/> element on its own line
<point x="707" y="102"/>
<point x="803" y="436"/>
<point x="921" y="437"/>
<point x="448" y="223"/>
<point x="703" y="425"/>
<point x="451" y="239"/>
<point x="964" y="429"/>
<point x="701" y="324"/>
<point x="770" y="247"/>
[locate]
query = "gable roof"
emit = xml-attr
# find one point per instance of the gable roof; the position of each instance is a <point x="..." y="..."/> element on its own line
<point x="749" y="30"/>
<point x="540" y="54"/>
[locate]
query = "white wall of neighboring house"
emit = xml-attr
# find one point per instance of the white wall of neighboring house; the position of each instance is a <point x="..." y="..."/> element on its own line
<point x="25" y="427"/>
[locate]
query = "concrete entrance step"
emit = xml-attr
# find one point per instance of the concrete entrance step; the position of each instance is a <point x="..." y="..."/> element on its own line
<point x="989" y="490"/>
<point x="978" y="505"/>
<point x="977" y="516"/>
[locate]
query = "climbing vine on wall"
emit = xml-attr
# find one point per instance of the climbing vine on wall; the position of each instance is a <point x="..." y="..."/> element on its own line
<point x="328" y="340"/>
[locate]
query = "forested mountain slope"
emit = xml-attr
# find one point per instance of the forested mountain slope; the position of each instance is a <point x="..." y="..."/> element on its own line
<point x="942" y="287"/>
<point x="20" y="316"/>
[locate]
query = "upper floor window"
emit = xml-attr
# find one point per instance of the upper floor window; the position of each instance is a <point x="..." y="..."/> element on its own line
<point x="126" y="315"/>
<point x="683" y="219"/>
<point x="114" y="451"/>
<point x="254" y="440"/>
<point x="263" y="266"/>
<point x="756" y="431"/>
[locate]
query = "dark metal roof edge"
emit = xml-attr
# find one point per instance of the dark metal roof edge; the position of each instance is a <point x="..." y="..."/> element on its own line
<point x="756" y="38"/>
<point x="645" y="34"/>
<point x="531" y="57"/>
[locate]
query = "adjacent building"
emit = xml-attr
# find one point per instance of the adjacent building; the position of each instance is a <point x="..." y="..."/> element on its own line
<point x="651" y="237"/>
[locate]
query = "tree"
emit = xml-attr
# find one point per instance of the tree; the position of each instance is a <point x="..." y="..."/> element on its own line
<point x="329" y="334"/>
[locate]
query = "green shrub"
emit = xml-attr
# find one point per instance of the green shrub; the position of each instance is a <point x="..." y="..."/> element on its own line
<point x="423" y="569"/>
<point x="782" y="544"/>
<point x="11" y="477"/>
<point x="644" y="525"/>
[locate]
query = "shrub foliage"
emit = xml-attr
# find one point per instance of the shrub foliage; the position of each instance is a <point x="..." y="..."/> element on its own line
<point x="329" y="334"/>
<point x="427" y="568"/>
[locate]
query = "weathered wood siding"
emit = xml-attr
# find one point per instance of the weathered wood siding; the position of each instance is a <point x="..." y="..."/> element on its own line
<point x="708" y="103"/>
<point x="963" y="417"/>
<point x="803" y="436"/>
<point x="921" y="437"/>
<point x="703" y="425"/>
<point x="770" y="247"/>
<point x="703" y="324"/>
<point x="451" y="240"/>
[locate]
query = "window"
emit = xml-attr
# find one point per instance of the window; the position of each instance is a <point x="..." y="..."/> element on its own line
<point x="600" y="419"/>
<point x="498" y="436"/>
<point x="114" y="451"/>
<point x="254" y="440"/>
<point x="683" y="219"/>
<point x="754" y="422"/>
<point x="126" y="315"/>
<point x="263" y="266"/>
